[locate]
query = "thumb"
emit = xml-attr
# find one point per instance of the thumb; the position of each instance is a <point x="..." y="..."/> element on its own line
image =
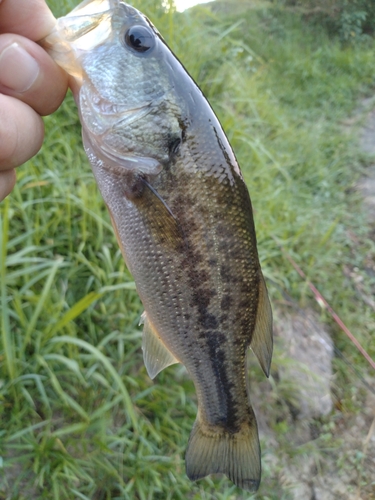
<point x="28" y="73"/>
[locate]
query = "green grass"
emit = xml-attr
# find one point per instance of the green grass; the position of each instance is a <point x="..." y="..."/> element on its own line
<point x="79" y="417"/>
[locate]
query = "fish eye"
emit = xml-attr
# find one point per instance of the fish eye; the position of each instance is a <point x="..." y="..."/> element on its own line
<point x="140" y="38"/>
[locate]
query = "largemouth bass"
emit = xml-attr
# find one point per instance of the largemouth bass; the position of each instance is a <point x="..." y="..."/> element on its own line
<point x="183" y="219"/>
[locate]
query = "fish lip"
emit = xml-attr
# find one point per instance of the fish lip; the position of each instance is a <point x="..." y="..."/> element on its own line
<point x="92" y="7"/>
<point x="90" y="11"/>
<point x="72" y="29"/>
<point x="82" y="20"/>
<point x="85" y="27"/>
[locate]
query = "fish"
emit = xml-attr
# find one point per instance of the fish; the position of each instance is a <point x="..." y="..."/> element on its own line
<point x="183" y="218"/>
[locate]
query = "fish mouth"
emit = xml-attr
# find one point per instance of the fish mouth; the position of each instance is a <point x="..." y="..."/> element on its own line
<point x="87" y="18"/>
<point x="84" y="28"/>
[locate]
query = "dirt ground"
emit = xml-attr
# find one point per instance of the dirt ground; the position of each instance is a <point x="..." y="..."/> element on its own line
<point x="345" y="470"/>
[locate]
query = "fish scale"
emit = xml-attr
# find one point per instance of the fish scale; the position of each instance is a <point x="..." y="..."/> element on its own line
<point x="183" y="218"/>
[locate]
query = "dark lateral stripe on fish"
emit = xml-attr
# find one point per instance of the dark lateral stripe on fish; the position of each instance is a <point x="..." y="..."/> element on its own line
<point x="228" y="407"/>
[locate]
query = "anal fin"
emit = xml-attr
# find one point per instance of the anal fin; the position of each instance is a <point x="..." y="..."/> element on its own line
<point x="156" y="355"/>
<point x="262" y="341"/>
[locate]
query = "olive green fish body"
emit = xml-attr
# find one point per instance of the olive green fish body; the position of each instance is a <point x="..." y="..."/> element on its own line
<point x="183" y="218"/>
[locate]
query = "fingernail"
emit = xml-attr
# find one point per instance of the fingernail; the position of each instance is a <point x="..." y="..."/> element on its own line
<point x="7" y="181"/>
<point x="18" y="70"/>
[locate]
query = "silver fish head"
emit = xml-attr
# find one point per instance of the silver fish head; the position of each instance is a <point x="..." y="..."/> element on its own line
<point x="124" y="83"/>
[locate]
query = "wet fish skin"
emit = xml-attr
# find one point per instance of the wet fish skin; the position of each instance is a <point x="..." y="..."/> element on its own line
<point x="183" y="218"/>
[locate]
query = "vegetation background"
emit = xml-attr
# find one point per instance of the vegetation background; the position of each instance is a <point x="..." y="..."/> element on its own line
<point x="79" y="417"/>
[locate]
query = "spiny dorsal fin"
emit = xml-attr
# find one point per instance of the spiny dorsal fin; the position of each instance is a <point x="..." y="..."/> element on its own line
<point x="262" y="341"/>
<point x="156" y="356"/>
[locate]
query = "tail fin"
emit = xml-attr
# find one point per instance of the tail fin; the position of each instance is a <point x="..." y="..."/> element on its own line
<point x="236" y="455"/>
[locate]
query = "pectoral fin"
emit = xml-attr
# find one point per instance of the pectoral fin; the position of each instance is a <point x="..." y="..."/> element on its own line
<point x="162" y="222"/>
<point x="156" y="355"/>
<point x="262" y="341"/>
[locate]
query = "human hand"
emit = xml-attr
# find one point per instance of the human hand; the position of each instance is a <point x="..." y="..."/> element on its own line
<point x="31" y="84"/>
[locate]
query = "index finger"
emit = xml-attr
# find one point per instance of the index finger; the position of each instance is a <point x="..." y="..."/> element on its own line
<point x="30" y="18"/>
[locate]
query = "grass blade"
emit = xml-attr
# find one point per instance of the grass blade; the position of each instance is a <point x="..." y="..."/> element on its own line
<point x="46" y="290"/>
<point x="109" y="367"/>
<point x="5" y="325"/>
<point x="76" y="310"/>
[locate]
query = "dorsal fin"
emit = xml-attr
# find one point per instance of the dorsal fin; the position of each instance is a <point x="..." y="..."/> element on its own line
<point x="262" y="341"/>
<point x="156" y="355"/>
